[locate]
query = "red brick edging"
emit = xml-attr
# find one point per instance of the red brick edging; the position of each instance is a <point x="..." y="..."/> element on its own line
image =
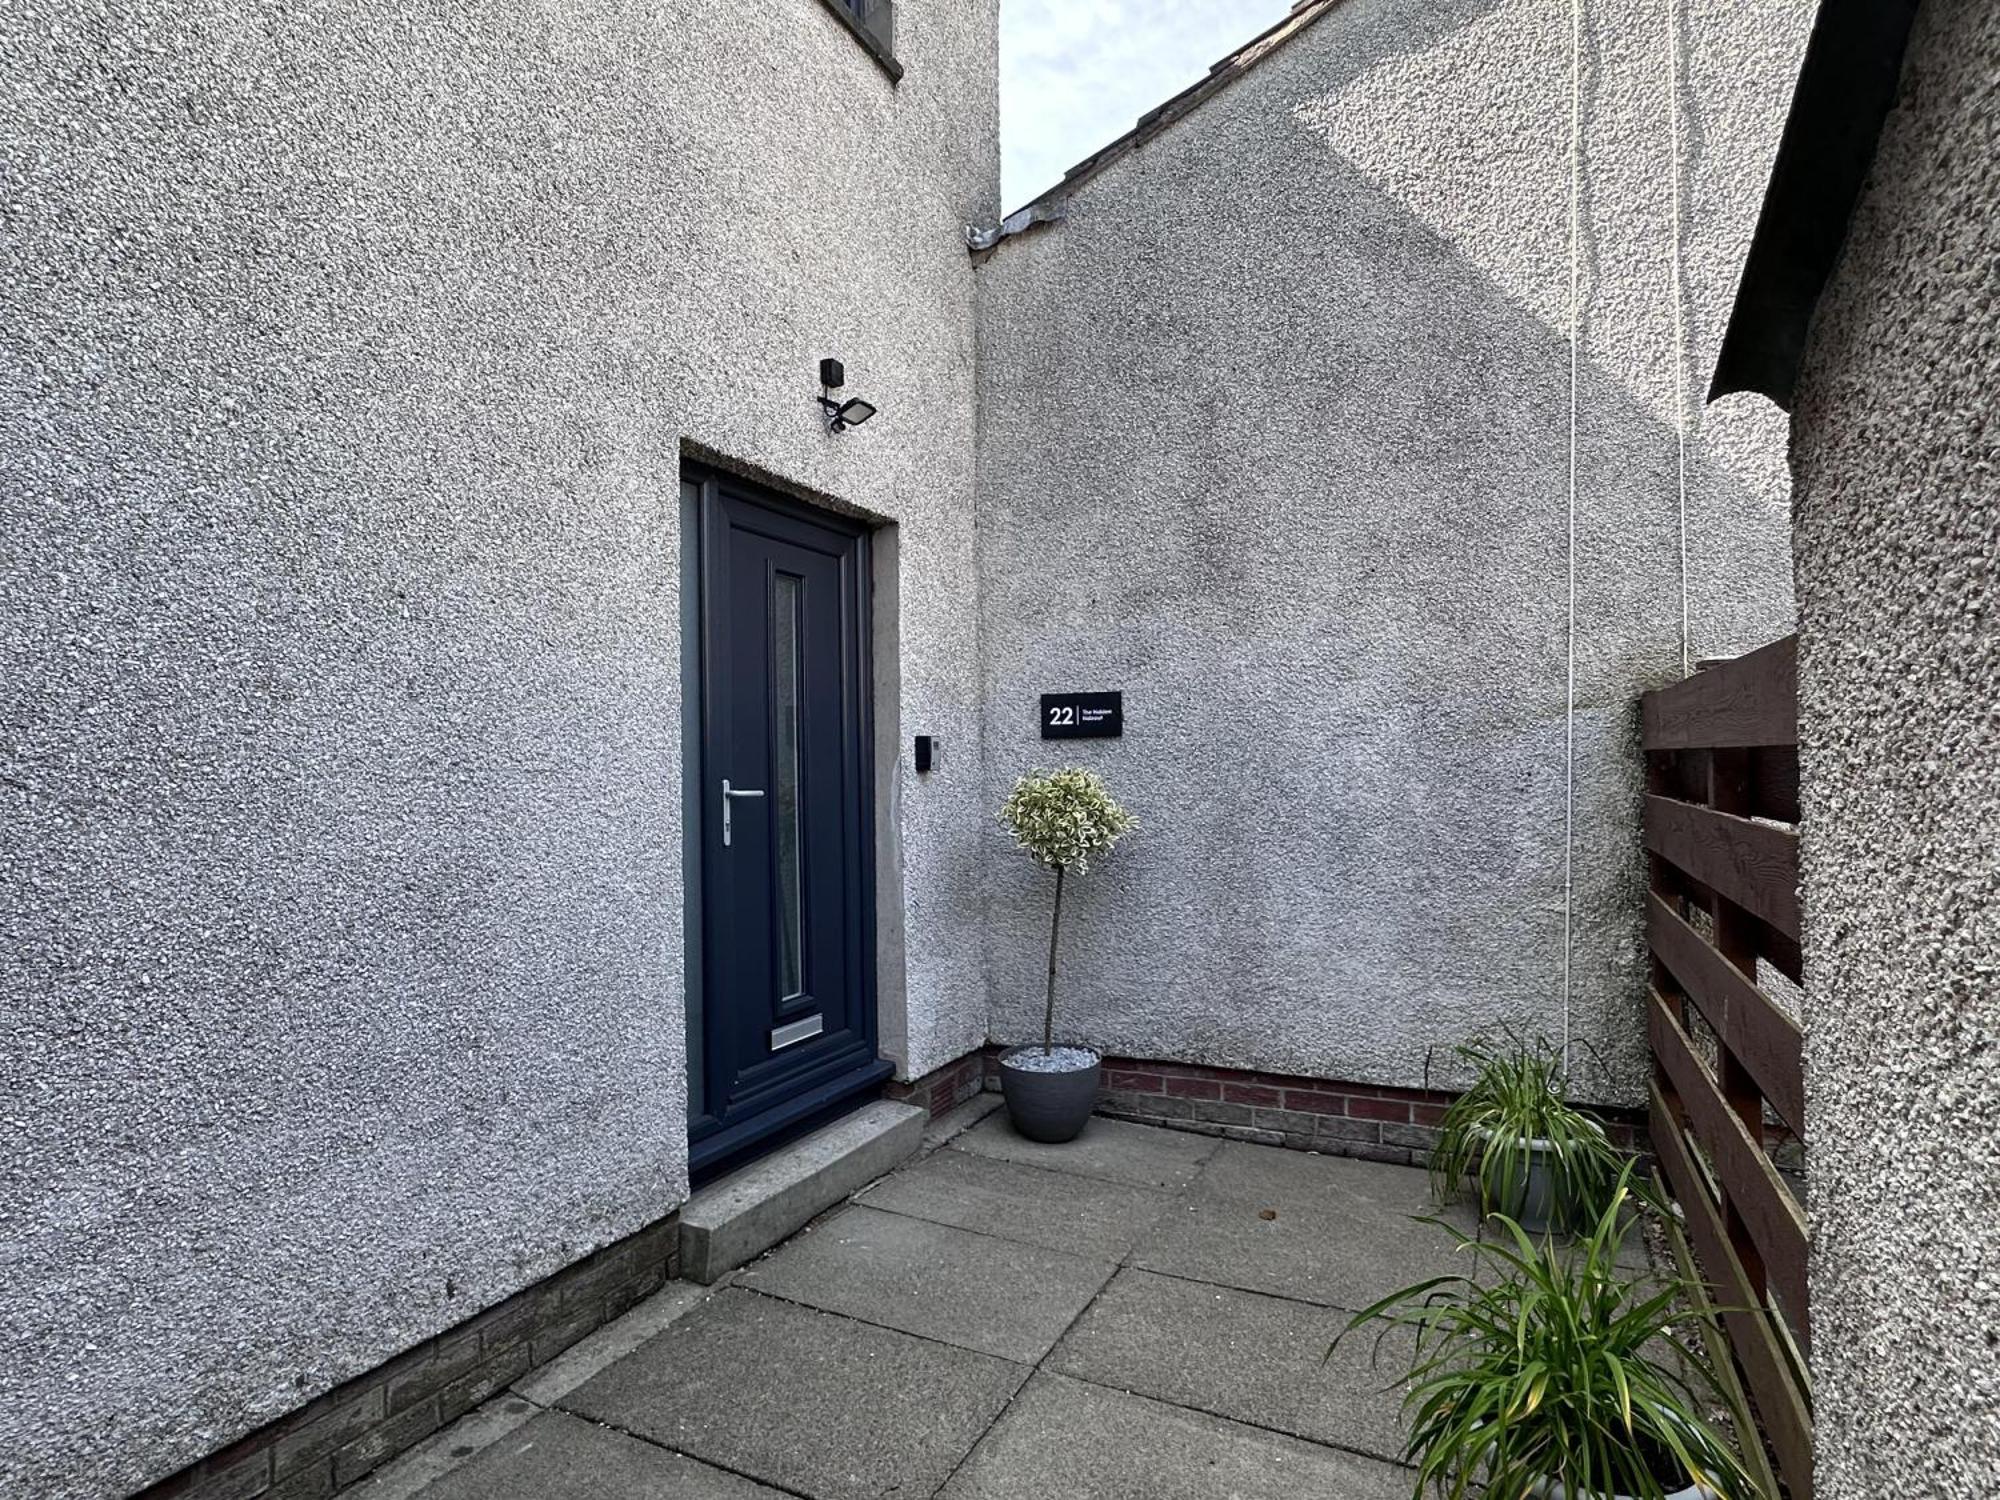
<point x="1375" y="1122"/>
<point x="947" y="1087"/>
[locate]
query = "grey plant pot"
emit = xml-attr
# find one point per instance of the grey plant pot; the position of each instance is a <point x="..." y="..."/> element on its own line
<point x="1052" y="1107"/>
<point x="1532" y="1201"/>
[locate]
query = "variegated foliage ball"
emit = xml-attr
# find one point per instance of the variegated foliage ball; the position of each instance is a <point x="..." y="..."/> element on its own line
<point x="1064" y="817"/>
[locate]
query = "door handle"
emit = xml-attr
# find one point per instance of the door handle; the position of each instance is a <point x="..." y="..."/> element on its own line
<point x="729" y="795"/>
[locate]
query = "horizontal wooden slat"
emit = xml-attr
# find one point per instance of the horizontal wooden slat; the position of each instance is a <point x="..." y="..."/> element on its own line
<point x="1752" y="700"/>
<point x="1781" y="952"/>
<point x="1780" y="1404"/>
<point x="1767" y="1207"/>
<point x="1762" y="1037"/>
<point x="1752" y="864"/>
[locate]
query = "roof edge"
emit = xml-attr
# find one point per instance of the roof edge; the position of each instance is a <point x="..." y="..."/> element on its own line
<point x="1848" y="83"/>
<point x="1046" y="206"/>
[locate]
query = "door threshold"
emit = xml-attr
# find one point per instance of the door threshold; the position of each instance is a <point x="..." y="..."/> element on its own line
<point x="739" y="1145"/>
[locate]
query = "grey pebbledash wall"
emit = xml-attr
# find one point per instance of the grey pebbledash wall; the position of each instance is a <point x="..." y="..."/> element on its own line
<point x="349" y="356"/>
<point x="1898" y="526"/>
<point x="1275" y="436"/>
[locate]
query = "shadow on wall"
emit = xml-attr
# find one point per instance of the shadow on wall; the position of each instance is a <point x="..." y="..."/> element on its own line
<point x="1663" y="123"/>
<point x="1315" y="523"/>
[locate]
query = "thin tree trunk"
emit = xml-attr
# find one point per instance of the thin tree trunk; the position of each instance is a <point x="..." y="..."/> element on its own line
<point x="1055" y="929"/>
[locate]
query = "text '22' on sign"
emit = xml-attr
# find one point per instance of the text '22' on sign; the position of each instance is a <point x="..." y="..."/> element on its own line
<point x="1083" y="716"/>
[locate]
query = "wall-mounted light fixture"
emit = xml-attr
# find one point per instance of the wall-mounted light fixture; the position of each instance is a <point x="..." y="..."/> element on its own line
<point x="840" y="415"/>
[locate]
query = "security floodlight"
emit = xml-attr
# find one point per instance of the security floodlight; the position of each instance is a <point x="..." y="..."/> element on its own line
<point x="841" y="415"/>
<point x="850" y="413"/>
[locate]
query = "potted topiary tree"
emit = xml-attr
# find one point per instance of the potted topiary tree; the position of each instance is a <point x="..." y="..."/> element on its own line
<point x="1062" y="819"/>
<point x="1559" y="1378"/>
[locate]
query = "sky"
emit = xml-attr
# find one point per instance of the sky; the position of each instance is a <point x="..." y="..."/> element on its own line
<point x="1075" y="74"/>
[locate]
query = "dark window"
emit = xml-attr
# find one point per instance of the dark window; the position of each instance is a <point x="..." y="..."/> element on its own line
<point x="873" y="23"/>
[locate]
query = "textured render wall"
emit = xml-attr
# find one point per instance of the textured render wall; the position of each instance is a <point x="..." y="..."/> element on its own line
<point x="1898" y="512"/>
<point x="349" y="351"/>
<point x="1276" y="433"/>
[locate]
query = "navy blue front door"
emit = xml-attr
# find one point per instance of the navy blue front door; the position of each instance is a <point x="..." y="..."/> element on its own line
<point x="786" y="1032"/>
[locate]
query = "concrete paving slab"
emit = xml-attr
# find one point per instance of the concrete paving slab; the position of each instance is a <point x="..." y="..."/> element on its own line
<point x="1084" y="1215"/>
<point x="1254" y="1169"/>
<point x="1324" y="1229"/>
<point x="1116" y="1150"/>
<point x="1083" y="1442"/>
<point x="1244" y="1355"/>
<point x="812" y="1403"/>
<point x="548" y="1383"/>
<point x="558" y="1457"/>
<point x="737" y="1219"/>
<point x="953" y="1123"/>
<point x="995" y="1296"/>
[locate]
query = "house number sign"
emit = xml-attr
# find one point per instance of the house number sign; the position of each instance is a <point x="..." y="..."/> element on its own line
<point x="1083" y="716"/>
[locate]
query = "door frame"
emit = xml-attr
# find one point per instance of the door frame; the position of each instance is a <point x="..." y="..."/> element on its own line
<point x="827" y="1092"/>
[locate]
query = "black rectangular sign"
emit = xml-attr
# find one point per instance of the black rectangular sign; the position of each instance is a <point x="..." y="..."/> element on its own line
<point x="1083" y="716"/>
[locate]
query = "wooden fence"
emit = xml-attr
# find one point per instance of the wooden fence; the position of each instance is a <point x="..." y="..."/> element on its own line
<point x="1721" y="831"/>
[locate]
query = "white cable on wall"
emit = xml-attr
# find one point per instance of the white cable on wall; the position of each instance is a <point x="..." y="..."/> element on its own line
<point x="1575" y="340"/>
<point x="1680" y="309"/>
<point x="1680" y="371"/>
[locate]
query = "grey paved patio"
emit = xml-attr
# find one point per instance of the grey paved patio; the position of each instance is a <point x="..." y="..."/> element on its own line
<point x="1141" y="1313"/>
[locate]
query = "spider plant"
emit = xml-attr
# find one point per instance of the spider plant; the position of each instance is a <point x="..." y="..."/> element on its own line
<point x="1560" y="1376"/>
<point x="1533" y="1156"/>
